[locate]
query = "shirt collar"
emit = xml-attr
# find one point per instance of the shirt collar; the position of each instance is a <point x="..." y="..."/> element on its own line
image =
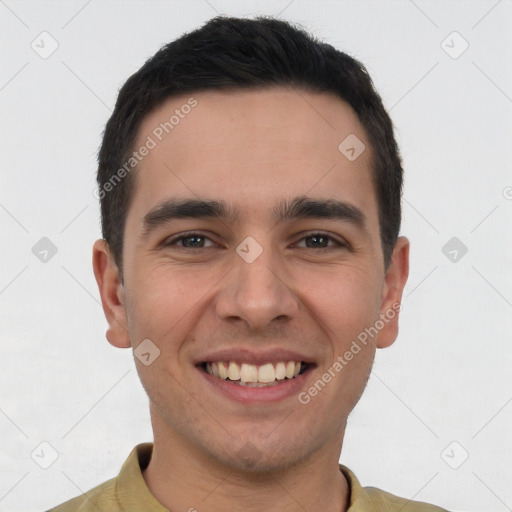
<point x="131" y="489"/>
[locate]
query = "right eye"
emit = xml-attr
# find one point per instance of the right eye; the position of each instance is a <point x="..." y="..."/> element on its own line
<point x="189" y="241"/>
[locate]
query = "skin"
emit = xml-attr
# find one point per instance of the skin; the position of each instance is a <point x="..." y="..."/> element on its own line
<point x="251" y="149"/>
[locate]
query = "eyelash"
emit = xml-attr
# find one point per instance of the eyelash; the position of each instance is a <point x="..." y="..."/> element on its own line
<point x="175" y="240"/>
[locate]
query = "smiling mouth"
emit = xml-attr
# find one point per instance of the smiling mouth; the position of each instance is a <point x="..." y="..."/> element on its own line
<point x="251" y="375"/>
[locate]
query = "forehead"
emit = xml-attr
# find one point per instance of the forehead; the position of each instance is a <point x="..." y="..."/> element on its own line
<point x="252" y="147"/>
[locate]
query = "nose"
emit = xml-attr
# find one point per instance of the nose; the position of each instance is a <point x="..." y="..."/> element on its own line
<point x="258" y="293"/>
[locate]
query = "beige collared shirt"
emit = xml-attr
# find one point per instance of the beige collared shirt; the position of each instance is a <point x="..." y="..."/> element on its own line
<point x="128" y="492"/>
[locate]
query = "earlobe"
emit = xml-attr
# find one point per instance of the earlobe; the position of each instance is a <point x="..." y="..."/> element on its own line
<point x="112" y="294"/>
<point x="394" y="283"/>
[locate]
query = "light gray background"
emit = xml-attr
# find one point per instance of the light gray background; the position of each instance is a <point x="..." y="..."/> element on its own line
<point x="446" y="379"/>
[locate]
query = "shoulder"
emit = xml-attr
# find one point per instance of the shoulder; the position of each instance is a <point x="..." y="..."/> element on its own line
<point x="382" y="500"/>
<point x="371" y="499"/>
<point x="102" y="497"/>
<point x="127" y="491"/>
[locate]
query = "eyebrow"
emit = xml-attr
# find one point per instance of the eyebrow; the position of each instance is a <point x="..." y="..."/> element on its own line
<point x="304" y="207"/>
<point x="301" y="207"/>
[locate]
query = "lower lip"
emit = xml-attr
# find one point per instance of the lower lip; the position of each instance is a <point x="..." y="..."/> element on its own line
<point x="254" y="395"/>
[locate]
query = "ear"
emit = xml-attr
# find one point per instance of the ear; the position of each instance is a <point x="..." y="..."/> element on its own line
<point x="394" y="282"/>
<point x="112" y="294"/>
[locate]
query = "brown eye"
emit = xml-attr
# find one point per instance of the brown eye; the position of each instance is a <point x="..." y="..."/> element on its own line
<point x="320" y="241"/>
<point x="190" y="241"/>
<point x="316" y="241"/>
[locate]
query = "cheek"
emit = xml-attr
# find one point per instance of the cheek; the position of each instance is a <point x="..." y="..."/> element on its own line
<point x="344" y="300"/>
<point x="165" y="302"/>
<point x="163" y="307"/>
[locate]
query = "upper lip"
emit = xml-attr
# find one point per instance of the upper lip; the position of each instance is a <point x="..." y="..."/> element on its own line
<point x="256" y="357"/>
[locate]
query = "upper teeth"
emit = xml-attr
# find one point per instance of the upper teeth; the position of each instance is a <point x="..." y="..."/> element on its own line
<point x="252" y="373"/>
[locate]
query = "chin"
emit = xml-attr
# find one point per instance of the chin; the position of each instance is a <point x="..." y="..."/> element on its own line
<point x="263" y="454"/>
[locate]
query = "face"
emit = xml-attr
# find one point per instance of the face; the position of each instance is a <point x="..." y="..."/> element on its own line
<point x="252" y="249"/>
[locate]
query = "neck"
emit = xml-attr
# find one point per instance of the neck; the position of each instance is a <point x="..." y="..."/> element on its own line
<point x="182" y="477"/>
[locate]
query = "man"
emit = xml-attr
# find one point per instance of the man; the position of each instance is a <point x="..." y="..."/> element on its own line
<point x="250" y="189"/>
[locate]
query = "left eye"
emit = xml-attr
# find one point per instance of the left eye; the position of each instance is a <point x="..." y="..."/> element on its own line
<point x="319" y="241"/>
